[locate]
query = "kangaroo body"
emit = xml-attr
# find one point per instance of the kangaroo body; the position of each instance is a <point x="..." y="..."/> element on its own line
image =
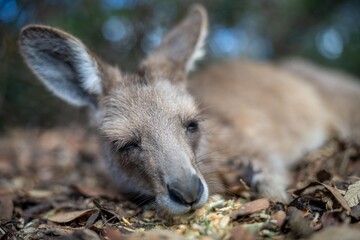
<point x="163" y="135"/>
<point x="269" y="116"/>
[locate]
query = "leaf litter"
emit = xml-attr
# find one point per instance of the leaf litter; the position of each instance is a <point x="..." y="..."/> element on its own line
<point x="53" y="185"/>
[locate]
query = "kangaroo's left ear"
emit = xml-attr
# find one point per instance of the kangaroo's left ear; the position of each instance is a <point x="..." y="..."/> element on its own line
<point x="64" y="64"/>
<point x="180" y="48"/>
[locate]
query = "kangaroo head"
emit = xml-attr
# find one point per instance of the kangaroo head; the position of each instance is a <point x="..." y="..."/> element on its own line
<point x="150" y="125"/>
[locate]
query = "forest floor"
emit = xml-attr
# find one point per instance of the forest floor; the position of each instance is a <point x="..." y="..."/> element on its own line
<point x="53" y="185"/>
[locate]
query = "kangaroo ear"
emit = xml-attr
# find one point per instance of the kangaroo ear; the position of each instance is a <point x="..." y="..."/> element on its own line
<point x="181" y="47"/>
<point x="62" y="63"/>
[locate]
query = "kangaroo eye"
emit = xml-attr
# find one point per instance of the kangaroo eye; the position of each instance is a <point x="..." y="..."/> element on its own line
<point x="130" y="147"/>
<point x="192" y="126"/>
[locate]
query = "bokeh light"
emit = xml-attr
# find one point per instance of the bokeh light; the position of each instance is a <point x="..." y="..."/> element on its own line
<point x="116" y="29"/>
<point x="330" y="43"/>
<point x="9" y="10"/>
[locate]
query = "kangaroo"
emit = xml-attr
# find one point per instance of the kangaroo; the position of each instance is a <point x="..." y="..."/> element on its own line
<point x="164" y="133"/>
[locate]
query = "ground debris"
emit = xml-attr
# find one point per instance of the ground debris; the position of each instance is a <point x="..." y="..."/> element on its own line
<point x="352" y="195"/>
<point x="251" y="207"/>
<point x="6" y="206"/>
<point x="53" y="186"/>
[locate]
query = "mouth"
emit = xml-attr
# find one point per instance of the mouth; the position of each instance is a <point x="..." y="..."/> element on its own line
<point x="173" y="204"/>
<point x="174" y="199"/>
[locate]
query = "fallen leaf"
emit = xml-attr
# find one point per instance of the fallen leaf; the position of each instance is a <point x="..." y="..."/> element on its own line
<point x="336" y="233"/>
<point x="70" y="216"/>
<point x="36" y="193"/>
<point x="352" y="195"/>
<point x="6" y="207"/>
<point x="251" y="207"/>
<point x="279" y="216"/>
<point x="338" y="197"/>
<point x="297" y="192"/>
<point x="38" y="208"/>
<point x="109" y="212"/>
<point x="241" y="233"/>
<point x="253" y="227"/>
<point x="156" y="235"/>
<point x="91" y="220"/>
<point x="111" y="233"/>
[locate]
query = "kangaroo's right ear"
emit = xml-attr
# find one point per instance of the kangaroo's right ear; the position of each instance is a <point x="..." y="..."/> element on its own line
<point x="180" y="48"/>
<point x="63" y="64"/>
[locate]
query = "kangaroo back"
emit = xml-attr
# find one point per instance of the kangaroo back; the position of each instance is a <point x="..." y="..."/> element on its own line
<point x="340" y="93"/>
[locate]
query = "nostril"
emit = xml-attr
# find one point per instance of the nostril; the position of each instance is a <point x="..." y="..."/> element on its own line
<point x="176" y="196"/>
<point x="186" y="194"/>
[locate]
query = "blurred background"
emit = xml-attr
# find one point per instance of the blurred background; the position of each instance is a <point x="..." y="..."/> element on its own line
<point x="123" y="31"/>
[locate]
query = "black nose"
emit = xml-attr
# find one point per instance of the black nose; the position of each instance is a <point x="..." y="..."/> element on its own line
<point x="186" y="192"/>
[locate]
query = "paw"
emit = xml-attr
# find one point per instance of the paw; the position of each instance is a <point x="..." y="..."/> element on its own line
<point x="272" y="187"/>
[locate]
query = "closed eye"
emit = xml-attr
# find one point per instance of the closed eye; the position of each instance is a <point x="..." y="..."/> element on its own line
<point x="125" y="147"/>
<point x="129" y="147"/>
<point x="192" y="126"/>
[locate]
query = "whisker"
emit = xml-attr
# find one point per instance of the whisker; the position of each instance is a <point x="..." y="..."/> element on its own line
<point x="144" y="201"/>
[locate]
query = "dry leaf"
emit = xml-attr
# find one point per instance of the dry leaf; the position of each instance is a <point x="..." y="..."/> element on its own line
<point x="112" y="233"/>
<point x="156" y="234"/>
<point x="352" y="195"/>
<point x="279" y="216"/>
<point x="299" y="191"/>
<point x="331" y="189"/>
<point x="251" y="207"/>
<point x="338" y="197"/>
<point x="241" y="233"/>
<point x="36" y="193"/>
<point x="6" y="207"/>
<point x="70" y="216"/>
<point x="336" y="233"/>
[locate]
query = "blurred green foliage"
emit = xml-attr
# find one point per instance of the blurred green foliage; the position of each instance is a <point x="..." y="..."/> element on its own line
<point x="123" y="31"/>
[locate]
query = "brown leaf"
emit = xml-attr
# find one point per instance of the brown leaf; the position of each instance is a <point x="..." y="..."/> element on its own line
<point x="70" y="216"/>
<point x="251" y="207"/>
<point x="112" y="233"/>
<point x="279" y="216"/>
<point x="297" y="192"/>
<point x="240" y="233"/>
<point x="36" y="193"/>
<point x="336" y="233"/>
<point x="156" y="234"/>
<point x="109" y="212"/>
<point x="6" y="207"/>
<point x="338" y="197"/>
<point x="91" y="220"/>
